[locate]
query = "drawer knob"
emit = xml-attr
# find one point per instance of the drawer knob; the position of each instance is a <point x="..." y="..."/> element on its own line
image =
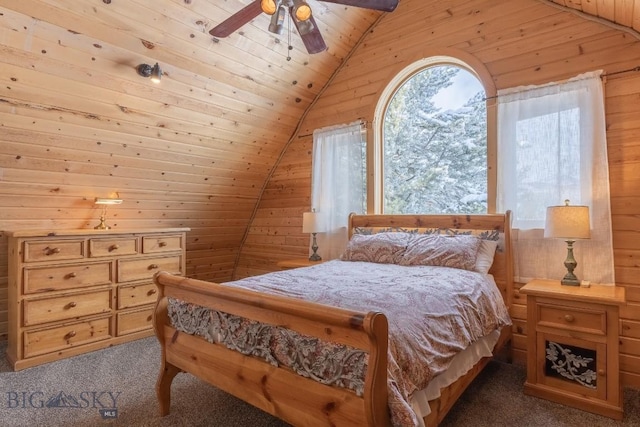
<point x="152" y="291"/>
<point x="52" y="251"/>
<point x="602" y="372"/>
<point x="114" y="248"/>
<point x="569" y="318"/>
<point x="153" y="266"/>
<point x="71" y="334"/>
<point x="162" y="244"/>
<point x="71" y="304"/>
<point x="70" y="275"/>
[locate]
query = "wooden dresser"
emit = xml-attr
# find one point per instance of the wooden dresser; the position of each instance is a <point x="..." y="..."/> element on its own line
<point x="74" y="291"/>
<point x="573" y="345"/>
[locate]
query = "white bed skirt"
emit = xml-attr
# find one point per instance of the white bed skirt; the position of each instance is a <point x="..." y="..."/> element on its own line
<point x="460" y="365"/>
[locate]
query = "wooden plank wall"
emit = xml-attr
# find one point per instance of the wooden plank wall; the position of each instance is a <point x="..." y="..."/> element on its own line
<point x="519" y="42"/>
<point x="77" y="121"/>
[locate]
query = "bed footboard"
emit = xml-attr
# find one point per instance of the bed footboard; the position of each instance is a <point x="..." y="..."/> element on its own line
<point x="276" y="390"/>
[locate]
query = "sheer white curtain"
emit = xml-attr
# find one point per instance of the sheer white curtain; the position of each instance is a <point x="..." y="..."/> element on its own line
<point x="552" y="147"/>
<point x="337" y="183"/>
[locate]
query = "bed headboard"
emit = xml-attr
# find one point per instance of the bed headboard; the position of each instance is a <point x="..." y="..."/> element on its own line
<point x="486" y="226"/>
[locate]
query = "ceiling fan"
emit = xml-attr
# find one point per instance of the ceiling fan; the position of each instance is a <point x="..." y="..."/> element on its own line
<point x="300" y="13"/>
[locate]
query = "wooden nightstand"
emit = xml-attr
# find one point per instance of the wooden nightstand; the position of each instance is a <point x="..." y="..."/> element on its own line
<point x="573" y="345"/>
<point x="297" y="263"/>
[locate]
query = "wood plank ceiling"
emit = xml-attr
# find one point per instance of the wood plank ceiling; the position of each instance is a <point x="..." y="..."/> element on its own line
<point x="622" y="12"/>
<point x="199" y="149"/>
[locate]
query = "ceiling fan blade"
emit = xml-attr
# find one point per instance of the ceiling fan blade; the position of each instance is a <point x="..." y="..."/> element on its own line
<point x="237" y="20"/>
<point x="384" y="5"/>
<point x="312" y="39"/>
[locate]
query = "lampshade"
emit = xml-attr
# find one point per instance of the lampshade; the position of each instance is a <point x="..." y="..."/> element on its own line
<point x="567" y="222"/>
<point x="311" y="223"/>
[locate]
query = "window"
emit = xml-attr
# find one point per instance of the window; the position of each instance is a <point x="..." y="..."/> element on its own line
<point x="434" y="142"/>
<point x="338" y="183"/>
<point x="552" y="147"/>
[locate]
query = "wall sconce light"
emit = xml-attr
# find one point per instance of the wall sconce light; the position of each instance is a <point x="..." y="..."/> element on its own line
<point x="104" y="203"/>
<point x="568" y="223"/>
<point x="146" y="70"/>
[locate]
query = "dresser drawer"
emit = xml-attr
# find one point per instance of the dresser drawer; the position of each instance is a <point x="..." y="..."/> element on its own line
<point x="69" y="276"/>
<point x="135" y="295"/>
<point x="67" y="336"/>
<point x="113" y="247"/>
<point x="134" y="321"/>
<point x="130" y="270"/>
<point x="159" y="244"/>
<point x="53" y="250"/>
<point x="573" y="318"/>
<point x="44" y="310"/>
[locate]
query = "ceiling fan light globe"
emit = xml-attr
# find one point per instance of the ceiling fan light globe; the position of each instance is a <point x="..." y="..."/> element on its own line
<point x="269" y="6"/>
<point x="302" y="11"/>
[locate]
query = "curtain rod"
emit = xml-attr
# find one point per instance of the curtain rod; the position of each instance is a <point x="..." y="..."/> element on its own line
<point x="613" y="73"/>
<point x="602" y="76"/>
<point x="363" y="123"/>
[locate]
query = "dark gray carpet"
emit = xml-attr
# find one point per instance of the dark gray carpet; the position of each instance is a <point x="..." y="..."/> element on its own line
<point x="73" y="392"/>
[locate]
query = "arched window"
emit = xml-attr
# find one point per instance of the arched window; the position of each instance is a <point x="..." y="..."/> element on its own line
<point x="432" y="155"/>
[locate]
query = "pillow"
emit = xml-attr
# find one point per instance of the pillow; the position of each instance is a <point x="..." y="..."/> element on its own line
<point x="382" y="248"/>
<point x="486" y="252"/>
<point x="458" y="251"/>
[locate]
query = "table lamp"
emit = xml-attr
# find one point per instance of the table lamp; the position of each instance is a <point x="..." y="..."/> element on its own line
<point x="568" y="223"/>
<point x="104" y="203"/>
<point x="311" y="224"/>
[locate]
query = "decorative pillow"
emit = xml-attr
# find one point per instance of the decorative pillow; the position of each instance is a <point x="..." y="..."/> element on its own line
<point x="382" y="248"/>
<point x="486" y="252"/>
<point x="458" y="251"/>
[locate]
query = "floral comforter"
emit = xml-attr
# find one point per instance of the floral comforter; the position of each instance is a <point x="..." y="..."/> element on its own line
<point x="433" y="313"/>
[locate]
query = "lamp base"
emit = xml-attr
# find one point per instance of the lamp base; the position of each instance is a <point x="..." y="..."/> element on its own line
<point x="314" y="256"/>
<point x="570" y="281"/>
<point x="102" y="225"/>
<point x="570" y="263"/>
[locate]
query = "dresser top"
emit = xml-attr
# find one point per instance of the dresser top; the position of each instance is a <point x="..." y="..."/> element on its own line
<point x="90" y="232"/>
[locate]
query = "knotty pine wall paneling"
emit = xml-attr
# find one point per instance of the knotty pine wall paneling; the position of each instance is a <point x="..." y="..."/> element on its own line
<point x="77" y="121"/>
<point x="520" y="42"/>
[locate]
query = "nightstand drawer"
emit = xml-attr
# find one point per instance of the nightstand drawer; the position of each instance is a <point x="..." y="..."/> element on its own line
<point x="130" y="270"/>
<point x="70" y="276"/>
<point x="64" y="307"/>
<point x="54" y="339"/>
<point x="113" y="247"/>
<point x="572" y="318"/>
<point x="53" y="250"/>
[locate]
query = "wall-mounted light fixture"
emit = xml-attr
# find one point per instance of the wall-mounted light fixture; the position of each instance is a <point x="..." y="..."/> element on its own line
<point x="146" y="70"/>
<point x="104" y="203"/>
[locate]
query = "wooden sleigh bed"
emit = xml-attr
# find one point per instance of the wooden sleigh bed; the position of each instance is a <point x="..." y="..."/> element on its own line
<point x="283" y="393"/>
